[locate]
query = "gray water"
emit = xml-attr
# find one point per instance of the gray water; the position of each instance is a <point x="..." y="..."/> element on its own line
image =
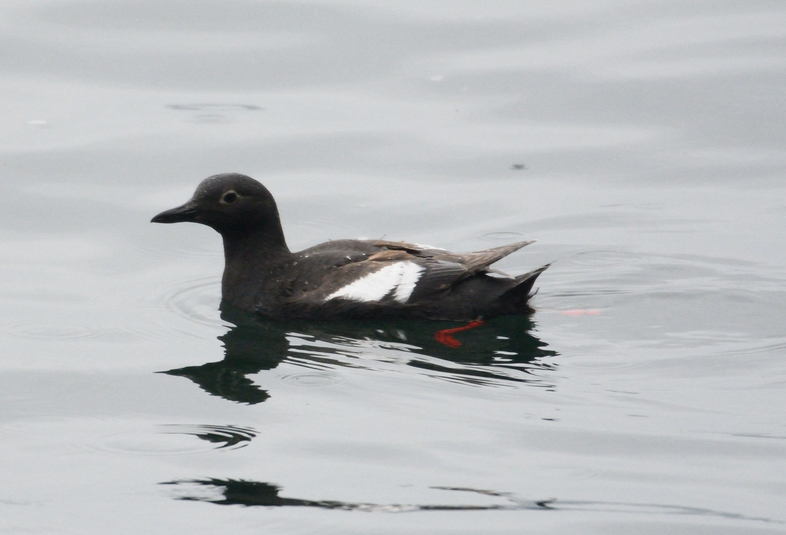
<point x="641" y="143"/>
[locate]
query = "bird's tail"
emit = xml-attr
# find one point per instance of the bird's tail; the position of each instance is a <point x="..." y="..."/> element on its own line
<point x="518" y="295"/>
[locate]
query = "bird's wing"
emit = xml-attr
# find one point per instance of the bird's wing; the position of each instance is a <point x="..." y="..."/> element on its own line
<point x="406" y="273"/>
<point x="396" y="272"/>
<point x="472" y="262"/>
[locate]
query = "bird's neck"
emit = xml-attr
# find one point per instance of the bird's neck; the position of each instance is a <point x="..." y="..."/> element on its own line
<point x="251" y="258"/>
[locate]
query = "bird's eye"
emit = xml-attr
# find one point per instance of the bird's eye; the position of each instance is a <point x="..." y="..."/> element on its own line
<point x="229" y="197"/>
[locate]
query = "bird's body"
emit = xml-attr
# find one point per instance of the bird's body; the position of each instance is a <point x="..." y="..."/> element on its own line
<point x="344" y="278"/>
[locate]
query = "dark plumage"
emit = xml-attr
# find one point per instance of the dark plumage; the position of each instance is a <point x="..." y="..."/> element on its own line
<point x="343" y="278"/>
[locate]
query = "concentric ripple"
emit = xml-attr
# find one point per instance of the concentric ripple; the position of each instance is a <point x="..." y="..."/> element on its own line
<point x="223" y="436"/>
<point x="311" y="379"/>
<point x="176" y="439"/>
<point x="49" y="332"/>
<point x="195" y="301"/>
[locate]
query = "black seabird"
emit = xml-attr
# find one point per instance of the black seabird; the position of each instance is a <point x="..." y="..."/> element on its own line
<point x="343" y="278"/>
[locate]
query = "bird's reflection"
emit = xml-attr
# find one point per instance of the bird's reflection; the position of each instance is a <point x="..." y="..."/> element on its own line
<point x="501" y="350"/>
<point x="250" y="493"/>
<point x="257" y="493"/>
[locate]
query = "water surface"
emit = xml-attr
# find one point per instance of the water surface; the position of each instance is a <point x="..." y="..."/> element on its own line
<point x="641" y="144"/>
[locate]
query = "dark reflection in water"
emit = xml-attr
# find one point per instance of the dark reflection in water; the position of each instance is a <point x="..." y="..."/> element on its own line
<point x="242" y="492"/>
<point x="502" y="350"/>
<point x="658" y="508"/>
<point x="255" y="493"/>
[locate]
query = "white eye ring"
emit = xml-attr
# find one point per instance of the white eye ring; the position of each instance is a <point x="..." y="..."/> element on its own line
<point x="229" y="197"/>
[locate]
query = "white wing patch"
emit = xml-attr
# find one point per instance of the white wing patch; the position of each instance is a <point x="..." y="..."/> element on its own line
<point x="399" y="278"/>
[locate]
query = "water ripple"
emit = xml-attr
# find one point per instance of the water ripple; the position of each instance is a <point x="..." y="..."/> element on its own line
<point x="176" y="439"/>
<point x="311" y="379"/>
<point x="39" y="331"/>
<point x="224" y="436"/>
<point x="195" y="301"/>
<point x="214" y="112"/>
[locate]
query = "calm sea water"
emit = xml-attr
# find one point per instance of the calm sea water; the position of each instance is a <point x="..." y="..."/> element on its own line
<point x="641" y="143"/>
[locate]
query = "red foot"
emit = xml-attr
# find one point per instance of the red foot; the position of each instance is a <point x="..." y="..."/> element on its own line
<point x="445" y="336"/>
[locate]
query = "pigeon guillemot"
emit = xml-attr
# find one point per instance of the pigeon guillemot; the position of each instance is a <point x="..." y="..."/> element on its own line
<point x="343" y="278"/>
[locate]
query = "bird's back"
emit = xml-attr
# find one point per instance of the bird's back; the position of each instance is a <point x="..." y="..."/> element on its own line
<point x="375" y="278"/>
